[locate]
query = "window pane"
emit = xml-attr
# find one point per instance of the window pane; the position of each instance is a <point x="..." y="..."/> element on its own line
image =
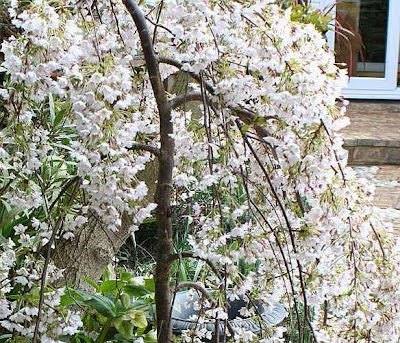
<point x="363" y="51"/>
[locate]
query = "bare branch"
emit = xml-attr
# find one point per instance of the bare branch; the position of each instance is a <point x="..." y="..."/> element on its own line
<point x="183" y="98"/>
<point x="247" y="116"/>
<point x="197" y="286"/>
<point x="379" y="241"/>
<point x="156" y="24"/>
<point x="189" y="254"/>
<point x="140" y="146"/>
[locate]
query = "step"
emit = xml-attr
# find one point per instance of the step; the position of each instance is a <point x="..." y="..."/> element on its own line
<point x="373" y="137"/>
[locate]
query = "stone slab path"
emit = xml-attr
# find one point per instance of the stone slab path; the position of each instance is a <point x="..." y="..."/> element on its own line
<point x="373" y="142"/>
<point x="387" y="192"/>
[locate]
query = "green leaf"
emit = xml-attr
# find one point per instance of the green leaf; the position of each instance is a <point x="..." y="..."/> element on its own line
<point x="59" y="117"/>
<point x="93" y="284"/>
<point x="66" y="299"/>
<point x="199" y="267"/>
<point x="125" y="276"/>
<point x="150" y="284"/>
<point x="91" y="322"/>
<point x="150" y="337"/>
<point x="6" y="205"/>
<point x="245" y="128"/>
<point x="103" y="305"/>
<point x="124" y="327"/>
<point x="6" y="337"/>
<point x="106" y="274"/>
<point x="136" y="290"/>
<point x="149" y="220"/>
<point x="2" y="239"/>
<point x="109" y="286"/>
<point x="7" y="216"/>
<point x="83" y="295"/>
<point x="140" y="332"/>
<point x="52" y="109"/>
<point x="182" y="267"/>
<point x="126" y="300"/>
<point x="141" y="304"/>
<point x="63" y="146"/>
<point x="100" y="303"/>
<point x="7" y="229"/>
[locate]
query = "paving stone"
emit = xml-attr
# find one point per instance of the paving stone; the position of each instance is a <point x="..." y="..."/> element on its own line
<point x="388" y="173"/>
<point x="387" y="197"/>
<point x="396" y="227"/>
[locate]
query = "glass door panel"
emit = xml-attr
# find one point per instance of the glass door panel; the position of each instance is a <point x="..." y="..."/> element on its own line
<point x="367" y="42"/>
<point x="398" y="71"/>
<point x="364" y="49"/>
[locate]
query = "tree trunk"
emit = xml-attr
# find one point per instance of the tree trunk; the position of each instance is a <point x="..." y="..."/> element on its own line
<point x="94" y="246"/>
<point x="164" y="183"/>
<point x="92" y="249"/>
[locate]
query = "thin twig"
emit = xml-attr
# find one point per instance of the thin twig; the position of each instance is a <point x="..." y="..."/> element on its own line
<point x="199" y="287"/>
<point x="47" y="260"/>
<point x="188" y="254"/>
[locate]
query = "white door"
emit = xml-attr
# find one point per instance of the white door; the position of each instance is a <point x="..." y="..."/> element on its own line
<point x="371" y="52"/>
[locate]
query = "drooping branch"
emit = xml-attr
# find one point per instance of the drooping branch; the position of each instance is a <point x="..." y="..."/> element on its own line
<point x="289" y="226"/>
<point x="56" y="228"/>
<point x="164" y="182"/>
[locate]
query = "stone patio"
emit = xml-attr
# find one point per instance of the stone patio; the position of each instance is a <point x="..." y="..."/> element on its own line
<point x="373" y="142"/>
<point x="387" y="192"/>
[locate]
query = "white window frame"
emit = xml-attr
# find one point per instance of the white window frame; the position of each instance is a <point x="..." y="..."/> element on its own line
<point x="370" y="87"/>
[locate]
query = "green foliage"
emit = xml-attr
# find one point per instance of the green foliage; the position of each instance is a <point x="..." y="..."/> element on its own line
<point x="308" y="15"/>
<point x="119" y="310"/>
<point x="292" y="333"/>
<point x="55" y="177"/>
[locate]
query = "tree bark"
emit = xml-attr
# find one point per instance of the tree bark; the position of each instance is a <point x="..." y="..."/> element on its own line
<point x="92" y="249"/>
<point x="94" y="246"/>
<point x="7" y="29"/>
<point x="164" y="183"/>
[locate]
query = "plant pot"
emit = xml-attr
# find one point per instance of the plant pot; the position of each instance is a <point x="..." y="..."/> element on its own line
<point x="183" y="310"/>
